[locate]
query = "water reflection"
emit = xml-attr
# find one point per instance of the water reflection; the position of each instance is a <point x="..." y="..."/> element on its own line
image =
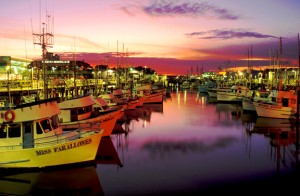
<point x="228" y="113"/>
<point x="73" y="181"/>
<point x="173" y="148"/>
<point x="79" y="179"/>
<point x="107" y="153"/>
<point x="141" y="113"/>
<point x="154" y="107"/>
<point x="196" y="146"/>
<point x="283" y="137"/>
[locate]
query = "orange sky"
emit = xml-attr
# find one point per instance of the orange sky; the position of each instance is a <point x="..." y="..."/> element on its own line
<point x="167" y="35"/>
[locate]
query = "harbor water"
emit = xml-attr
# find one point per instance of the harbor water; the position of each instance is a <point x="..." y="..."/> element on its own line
<point x="188" y="145"/>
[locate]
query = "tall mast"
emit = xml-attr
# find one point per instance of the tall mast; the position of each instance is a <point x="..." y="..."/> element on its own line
<point x="45" y="40"/>
<point x="279" y="63"/>
<point x="298" y="57"/>
<point x="75" y="69"/>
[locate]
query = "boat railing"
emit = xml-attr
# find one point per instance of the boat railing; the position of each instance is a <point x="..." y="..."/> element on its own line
<point x="43" y="141"/>
<point x="65" y="136"/>
<point x="83" y="128"/>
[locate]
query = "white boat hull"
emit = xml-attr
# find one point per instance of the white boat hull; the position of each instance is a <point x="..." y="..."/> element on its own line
<point x="274" y="111"/>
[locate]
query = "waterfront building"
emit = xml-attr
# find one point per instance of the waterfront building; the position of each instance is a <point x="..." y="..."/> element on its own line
<point x="14" y="68"/>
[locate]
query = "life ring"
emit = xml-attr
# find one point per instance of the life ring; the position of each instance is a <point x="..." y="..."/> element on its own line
<point x="9" y="115"/>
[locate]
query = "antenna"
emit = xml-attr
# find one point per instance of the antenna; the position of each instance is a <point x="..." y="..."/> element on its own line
<point x="45" y="40"/>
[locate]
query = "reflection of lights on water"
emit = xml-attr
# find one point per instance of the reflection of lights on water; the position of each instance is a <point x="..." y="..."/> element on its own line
<point x="144" y="123"/>
<point x="203" y="101"/>
<point x="184" y="97"/>
<point x="178" y="100"/>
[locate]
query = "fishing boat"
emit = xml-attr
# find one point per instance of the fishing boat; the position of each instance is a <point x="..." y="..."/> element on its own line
<point x="127" y="95"/>
<point x="258" y="96"/>
<point x="185" y="84"/>
<point x="212" y="92"/>
<point x="204" y="87"/>
<point x="102" y="107"/>
<point x="113" y="101"/>
<point x="79" y="112"/>
<point x="234" y="94"/>
<point x="133" y="102"/>
<point x="283" y="105"/>
<point x="148" y="94"/>
<point x="31" y="136"/>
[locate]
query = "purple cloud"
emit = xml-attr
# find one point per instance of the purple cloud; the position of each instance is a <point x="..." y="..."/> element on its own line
<point x="127" y="11"/>
<point x="228" y="34"/>
<point x="167" y="8"/>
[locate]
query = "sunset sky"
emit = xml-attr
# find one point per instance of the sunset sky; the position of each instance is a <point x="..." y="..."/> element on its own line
<point x="168" y="36"/>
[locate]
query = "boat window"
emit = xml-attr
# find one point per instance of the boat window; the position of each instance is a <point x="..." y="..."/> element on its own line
<point x="3" y="131"/>
<point x="14" y="130"/>
<point x="28" y="127"/>
<point x="89" y="108"/>
<point x="39" y="129"/>
<point x="46" y="125"/>
<point x="285" y="102"/>
<point x="73" y="112"/>
<point x="81" y="111"/>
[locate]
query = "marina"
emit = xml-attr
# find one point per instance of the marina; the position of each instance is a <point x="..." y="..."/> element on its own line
<point x="186" y="145"/>
<point x="109" y="123"/>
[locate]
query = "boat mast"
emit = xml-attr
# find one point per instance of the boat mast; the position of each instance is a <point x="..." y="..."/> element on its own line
<point x="45" y="40"/>
<point x="75" y="70"/>
<point x="298" y="58"/>
<point x="279" y="66"/>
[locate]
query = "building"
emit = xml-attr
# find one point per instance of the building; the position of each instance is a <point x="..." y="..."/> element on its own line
<point x="14" y="68"/>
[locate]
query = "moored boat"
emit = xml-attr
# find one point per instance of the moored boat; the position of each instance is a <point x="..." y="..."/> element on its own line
<point x="283" y="105"/>
<point x="212" y="92"/>
<point x="234" y="94"/>
<point x="258" y="96"/>
<point x="31" y="136"/>
<point x="149" y="95"/>
<point x="78" y="112"/>
<point x="203" y="88"/>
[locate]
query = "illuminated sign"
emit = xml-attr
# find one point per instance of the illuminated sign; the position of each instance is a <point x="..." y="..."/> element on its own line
<point x="56" y="61"/>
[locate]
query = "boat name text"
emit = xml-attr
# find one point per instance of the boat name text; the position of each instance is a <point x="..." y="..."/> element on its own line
<point x="64" y="147"/>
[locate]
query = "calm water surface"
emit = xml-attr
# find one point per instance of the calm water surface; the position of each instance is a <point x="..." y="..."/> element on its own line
<point x="186" y="146"/>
